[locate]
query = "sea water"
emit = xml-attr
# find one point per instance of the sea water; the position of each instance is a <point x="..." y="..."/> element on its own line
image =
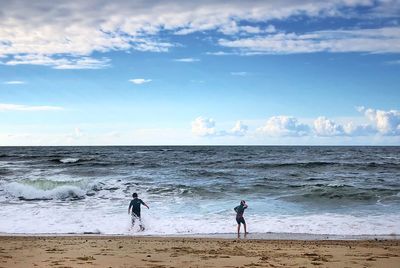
<point x="193" y="190"/>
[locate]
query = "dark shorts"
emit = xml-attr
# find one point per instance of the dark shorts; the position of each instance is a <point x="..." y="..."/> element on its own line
<point x="136" y="213"/>
<point x="240" y="220"/>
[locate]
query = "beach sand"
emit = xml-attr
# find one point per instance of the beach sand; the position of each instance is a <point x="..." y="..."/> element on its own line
<point x="114" y="251"/>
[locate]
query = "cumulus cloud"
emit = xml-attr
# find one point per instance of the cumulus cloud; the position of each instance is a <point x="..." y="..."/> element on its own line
<point x="14" y="82"/>
<point x="202" y="126"/>
<point x="352" y="129"/>
<point x="326" y="127"/>
<point x="187" y="60"/>
<point x="26" y="108"/>
<point x="385" y="122"/>
<point x="139" y="81"/>
<point x="381" y="123"/>
<point x="240" y="129"/>
<point x="284" y="126"/>
<point x="70" y="30"/>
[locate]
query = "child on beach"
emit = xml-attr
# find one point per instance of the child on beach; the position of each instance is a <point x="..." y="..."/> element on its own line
<point x="135" y="205"/>
<point x="239" y="216"/>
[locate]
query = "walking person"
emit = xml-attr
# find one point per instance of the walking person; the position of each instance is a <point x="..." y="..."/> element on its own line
<point x="135" y="206"/>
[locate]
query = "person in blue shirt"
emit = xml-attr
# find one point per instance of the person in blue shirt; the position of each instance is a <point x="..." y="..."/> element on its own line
<point x="239" y="216"/>
<point x="135" y="206"/>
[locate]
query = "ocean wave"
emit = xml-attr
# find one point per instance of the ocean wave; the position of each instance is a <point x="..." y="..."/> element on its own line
<point x="48" y="184"/>
<point x="30" y="193"/>
<point x="294" y="164"/>
<point x="339" y="192"/>
<point x="180" y="190"/>
<point x="316" y="164"/>
<point x="207" y="173"/>
<point x="5" y="171"/>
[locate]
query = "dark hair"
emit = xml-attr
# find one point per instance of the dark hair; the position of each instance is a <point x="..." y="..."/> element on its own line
<point x="134" y="195"/>
<point x="242" y="202"/>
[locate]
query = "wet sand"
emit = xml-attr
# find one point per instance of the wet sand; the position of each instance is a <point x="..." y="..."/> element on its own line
<point x="114" y="251"/>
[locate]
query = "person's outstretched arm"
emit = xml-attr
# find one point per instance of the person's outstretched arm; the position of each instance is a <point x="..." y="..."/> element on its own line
<point x="144" y="204"/>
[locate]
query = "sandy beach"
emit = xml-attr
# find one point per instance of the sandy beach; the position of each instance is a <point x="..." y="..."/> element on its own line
<point x="101" y="251"/>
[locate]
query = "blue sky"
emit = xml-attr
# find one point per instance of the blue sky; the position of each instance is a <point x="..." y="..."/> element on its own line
<point x="215" y="72"/>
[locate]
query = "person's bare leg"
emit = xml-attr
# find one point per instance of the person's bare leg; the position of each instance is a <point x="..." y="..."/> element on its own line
<point x="132" y="223"/>
<point x="141" y="225"/>
<point x="245" y="230"/>
<point x="238" y="229"/>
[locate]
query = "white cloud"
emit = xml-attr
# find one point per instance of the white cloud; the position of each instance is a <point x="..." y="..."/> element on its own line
<point x="61" y="34"/>
<point x="270" y="29"/>
<point x="393" y="62"/>
<point x="380" y="40"/>
<point x="202" y="126"/>
<point x="326" y="127"/>
<point x="78" y="132"/>
<point x="232" y="28"/>
<point x="205" y="127"/>
<point x="250" y="29"/>
<point x="197" y="81"/>
<point x="283" y="126"/>
<point x="220" y="53"/>
<point x="354" y="130"/>
<point x="139" y="81"/>
<point x="240" y="129"/>
<point x="239" y="73"/>
<point x="14" y="82"/>
<point x="187" y="60"/>
<point x="84" y="63"/>
<point x="59" y="63"/>
<point x="385" y="122"/>
<point x="19" y="107"/>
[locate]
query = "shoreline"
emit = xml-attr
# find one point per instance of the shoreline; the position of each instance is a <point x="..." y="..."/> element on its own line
<point x="134" y="251"/>
<point x="250" y="236"/>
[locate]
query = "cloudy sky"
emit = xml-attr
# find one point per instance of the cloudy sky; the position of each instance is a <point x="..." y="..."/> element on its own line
<point x="200" y="72"/>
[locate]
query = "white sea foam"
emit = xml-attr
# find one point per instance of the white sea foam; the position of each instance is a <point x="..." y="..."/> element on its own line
<point x="24" y="191"/>
<point x="95" y="216"/>
<point x="69" y="160"/>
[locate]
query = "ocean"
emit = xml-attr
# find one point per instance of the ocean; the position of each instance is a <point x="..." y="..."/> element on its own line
<point x="193" y="189"/>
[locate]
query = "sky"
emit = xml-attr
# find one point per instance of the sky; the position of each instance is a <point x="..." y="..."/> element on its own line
<point x="277" y="72"/>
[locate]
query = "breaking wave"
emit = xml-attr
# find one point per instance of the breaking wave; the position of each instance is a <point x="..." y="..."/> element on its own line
<point x="44" y="190"/>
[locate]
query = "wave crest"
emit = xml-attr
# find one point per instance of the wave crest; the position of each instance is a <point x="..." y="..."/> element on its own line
<point x="30" y="193"/>
<point x="68" y="160"/>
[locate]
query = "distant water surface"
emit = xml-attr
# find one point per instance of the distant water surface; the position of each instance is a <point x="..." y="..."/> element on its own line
<point x="192" y="190"/>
